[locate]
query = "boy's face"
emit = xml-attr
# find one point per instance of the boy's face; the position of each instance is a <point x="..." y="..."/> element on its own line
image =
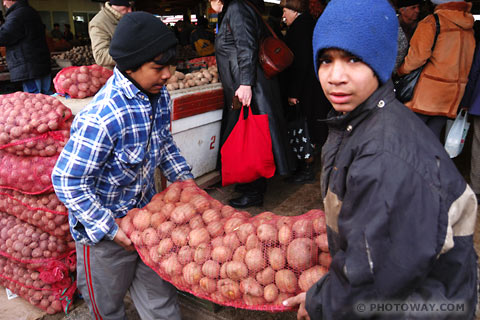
<point x="151" y="76"/>
<point x="346" y="80"/>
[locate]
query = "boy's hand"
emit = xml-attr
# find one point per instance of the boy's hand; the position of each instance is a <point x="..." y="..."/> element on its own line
<point x="293" y="101"/>
<point x="122" y="240"/>
<point x="244" y="94"/>
<point x="302" y="313"/>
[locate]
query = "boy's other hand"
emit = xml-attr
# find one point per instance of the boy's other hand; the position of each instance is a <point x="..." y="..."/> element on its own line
<point x="302" y="313"/>
<point x="122" y="240"/>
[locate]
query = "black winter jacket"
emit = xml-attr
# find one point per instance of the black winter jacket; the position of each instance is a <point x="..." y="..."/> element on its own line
<point x="23" y="35"/>
<point x="400" y="217"/>
<point x="299" y="80"/>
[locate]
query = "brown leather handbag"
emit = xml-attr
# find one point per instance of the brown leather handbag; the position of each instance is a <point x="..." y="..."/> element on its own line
<point x="273" y="54"/>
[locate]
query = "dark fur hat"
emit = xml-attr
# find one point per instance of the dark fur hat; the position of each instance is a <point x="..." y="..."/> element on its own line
<point x="296" y="5"/>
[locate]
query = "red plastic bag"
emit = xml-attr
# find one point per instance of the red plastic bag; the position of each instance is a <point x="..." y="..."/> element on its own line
<point x="247" y="154"/>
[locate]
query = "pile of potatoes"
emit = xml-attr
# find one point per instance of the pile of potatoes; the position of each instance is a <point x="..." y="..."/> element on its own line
<point x="197" y="78"/>
<point x="79" y="56"/>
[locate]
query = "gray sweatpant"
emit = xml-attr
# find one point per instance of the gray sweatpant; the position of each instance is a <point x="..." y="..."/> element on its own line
<point x="106" y="271"/>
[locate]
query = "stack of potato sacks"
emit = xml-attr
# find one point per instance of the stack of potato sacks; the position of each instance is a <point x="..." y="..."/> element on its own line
<point x="37" y="253"/>
<point x="227" y="256"/>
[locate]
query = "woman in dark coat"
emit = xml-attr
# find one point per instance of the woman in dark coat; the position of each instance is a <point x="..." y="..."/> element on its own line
<point x="301" y="85"/>
<point x="236" y="49"/>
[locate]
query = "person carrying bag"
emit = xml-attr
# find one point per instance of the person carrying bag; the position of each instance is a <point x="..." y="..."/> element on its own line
<point x="240" y="29"/>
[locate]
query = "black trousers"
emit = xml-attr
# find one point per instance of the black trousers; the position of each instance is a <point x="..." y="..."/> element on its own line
<point x="435" y="123"/>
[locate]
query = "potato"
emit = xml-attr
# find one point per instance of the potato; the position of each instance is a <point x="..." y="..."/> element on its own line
<point x="198" y="236"/>
<point x="310" y="276"/>
<point x="252" y="287"/>
<point x="207" y="284"/>
<point x="211" y="269"/>
<point x="302" y="253"/>
<point x="179" y="75"/>
<point x="270" y="292"/>
<point x="172" y="79"/>
<point x="276" y="258"/>
<point x="229" y="289"/>
<point x="255" y="260"/>
<point x="221" y="254"/>
<point x="286" y="281"/>
<point x="192" y="273"/>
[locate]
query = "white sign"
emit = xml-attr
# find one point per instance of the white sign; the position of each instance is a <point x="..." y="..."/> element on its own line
<point x="10" y="294"/>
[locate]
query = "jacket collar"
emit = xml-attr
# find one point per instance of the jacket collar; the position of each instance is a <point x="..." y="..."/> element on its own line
<point x="17" y="4"/>
<point x="108" y="8"/>
<point x="384" y="95"/>
<point x="460" y="6"/>
<point x="131" y="88"/>
<point x="125" y="84"/>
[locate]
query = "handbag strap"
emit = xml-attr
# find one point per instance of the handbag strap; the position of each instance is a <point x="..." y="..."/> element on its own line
<point x="261" y="18"/>
<point x="437" y="29"/>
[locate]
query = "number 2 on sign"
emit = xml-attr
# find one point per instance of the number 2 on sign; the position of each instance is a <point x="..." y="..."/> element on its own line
<point x="212" y="145"/>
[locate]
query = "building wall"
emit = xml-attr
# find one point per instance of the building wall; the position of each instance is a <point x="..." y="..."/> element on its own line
<point x="54" y="10"/>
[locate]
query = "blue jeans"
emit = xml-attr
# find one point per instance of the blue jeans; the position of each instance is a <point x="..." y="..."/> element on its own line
<point x="39" y="85"/>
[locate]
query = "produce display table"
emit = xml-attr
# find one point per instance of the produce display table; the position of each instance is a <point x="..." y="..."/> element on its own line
<point x="196" y="118"/>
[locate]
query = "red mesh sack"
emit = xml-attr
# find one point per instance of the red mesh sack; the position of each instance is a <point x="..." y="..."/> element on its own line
<point x="44" y="211"/>
<point x="24" y="243"/>
<point x="81" y="82"/>
<point x="33" y="124"/>
<point x="52" y="294"/>
<point x="227" y="256"/>
<point x="29" y="175"/>
<point x="208" y="60"/>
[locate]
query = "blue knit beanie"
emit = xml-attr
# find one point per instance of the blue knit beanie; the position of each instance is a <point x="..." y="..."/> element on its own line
<point x="367" y="29"/>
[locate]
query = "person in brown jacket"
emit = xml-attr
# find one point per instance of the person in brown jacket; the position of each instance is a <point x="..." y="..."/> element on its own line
<point x="102" y="27"/>
<point x="442" y="82"/>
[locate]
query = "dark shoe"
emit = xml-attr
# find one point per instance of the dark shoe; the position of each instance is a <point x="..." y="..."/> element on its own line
<point x="247" y="200"/>
<point x="307" y="175"/>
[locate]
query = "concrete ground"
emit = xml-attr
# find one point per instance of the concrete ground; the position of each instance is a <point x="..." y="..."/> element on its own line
<point x="281" y="198"/>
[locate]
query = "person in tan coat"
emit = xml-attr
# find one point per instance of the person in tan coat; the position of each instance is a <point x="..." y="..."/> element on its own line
<point x="442" y="82"/>
<point x="102" y="27"/>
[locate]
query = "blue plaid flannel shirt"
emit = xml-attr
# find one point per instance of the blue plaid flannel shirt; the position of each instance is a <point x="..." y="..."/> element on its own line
<point x="107" y="166"/>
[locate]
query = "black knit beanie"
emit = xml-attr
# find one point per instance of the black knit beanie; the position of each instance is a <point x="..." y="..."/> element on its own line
<point x="139" y="38"/>
<point x="124" y="3"/>
<point x="407" y="3"/>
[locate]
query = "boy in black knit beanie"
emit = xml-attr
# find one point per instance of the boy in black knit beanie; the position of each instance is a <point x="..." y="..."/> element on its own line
<point x="107" y="168"/>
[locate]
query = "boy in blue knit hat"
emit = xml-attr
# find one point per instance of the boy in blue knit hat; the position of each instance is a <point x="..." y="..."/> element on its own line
<point x="107" y="168"/>
<point x="400" y="218"/>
